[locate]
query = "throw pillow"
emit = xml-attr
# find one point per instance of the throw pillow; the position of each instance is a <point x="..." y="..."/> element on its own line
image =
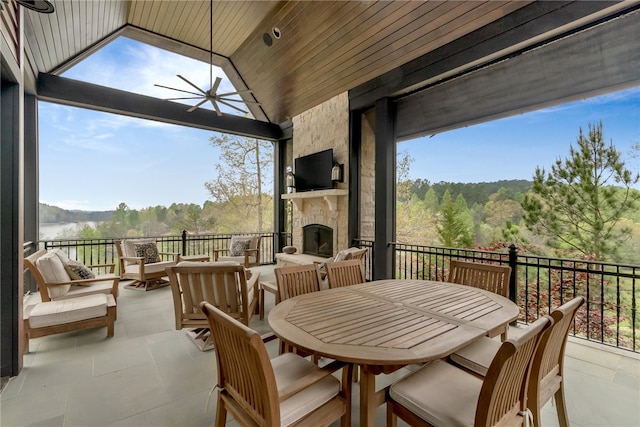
<point x="239" y="246"/>
<point x="148" y="251"/>
<point x="53" y="271"/>
<point x="79" y="271"/>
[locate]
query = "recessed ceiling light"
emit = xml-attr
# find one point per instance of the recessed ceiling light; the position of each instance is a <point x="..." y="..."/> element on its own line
<point x="276" y="32"/>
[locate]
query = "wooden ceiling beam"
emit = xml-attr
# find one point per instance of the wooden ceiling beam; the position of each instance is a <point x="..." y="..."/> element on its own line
<point x="75" y="93"/>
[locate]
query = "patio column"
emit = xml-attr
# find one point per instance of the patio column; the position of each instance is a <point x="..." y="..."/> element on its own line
<point x="385" y="184"/>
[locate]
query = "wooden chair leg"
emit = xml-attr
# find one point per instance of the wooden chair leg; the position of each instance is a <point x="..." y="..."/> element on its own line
<point x="221" y="413"/>
<point x="261" y="303"/>
<point x="561" y="408"/>
<point x="392" y="420"/>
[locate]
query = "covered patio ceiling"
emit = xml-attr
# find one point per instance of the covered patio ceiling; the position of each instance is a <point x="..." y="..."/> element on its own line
<point x="325" y="47"/>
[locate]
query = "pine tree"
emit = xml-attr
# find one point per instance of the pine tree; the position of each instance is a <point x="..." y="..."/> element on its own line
<point x="578" y="204"/>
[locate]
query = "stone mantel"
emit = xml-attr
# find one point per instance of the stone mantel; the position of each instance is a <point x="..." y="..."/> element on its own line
<point x="330" y="196"/>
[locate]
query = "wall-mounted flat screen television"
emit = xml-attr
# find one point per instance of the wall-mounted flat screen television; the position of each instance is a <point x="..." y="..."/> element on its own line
<point x="313" y="172"/>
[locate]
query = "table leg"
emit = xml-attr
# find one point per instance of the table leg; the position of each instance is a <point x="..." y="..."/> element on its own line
<point x="367" y="398"/>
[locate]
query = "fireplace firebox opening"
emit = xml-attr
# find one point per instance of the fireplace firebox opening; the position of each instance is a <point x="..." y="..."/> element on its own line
<point x="317" y="240"/>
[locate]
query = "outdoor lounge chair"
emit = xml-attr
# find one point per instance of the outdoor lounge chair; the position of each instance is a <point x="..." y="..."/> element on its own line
<point x="244" y="250"/>
<point x="52" y="272"/>
<point x="141" y="262"/>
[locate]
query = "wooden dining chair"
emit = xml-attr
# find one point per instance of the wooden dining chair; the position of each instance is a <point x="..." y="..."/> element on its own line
<point x="493" y="278"/>
<point x="441" y="394"/>
<point x="547" y="369"/>
<point x="223" y="285"/>
<point x="345" y="273"/>
<point x="297" y="280"/>
<point x="285" y="391"/>
<point x="293" y="281"/>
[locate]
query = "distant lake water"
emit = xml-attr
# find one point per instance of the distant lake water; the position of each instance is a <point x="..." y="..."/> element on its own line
<point x="50" y="231"/>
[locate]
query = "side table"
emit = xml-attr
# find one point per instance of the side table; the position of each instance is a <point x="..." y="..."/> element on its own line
<point x="268" y="287"/>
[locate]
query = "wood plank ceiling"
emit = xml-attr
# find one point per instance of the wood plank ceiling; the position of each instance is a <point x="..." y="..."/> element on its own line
<point x="326" y="47"/>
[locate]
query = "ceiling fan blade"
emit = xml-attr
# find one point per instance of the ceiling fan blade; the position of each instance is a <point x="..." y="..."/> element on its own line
<point x="179" y="90"/>
<point x="187" y="81"/>
<point x="195" y="107"/>
<point x="215" y="105"/>
<point x="235" y="93"/>
<point x="237" y="100"/>
<point x="232" y="106"/>
<point x="186" y="97"/>
<point x="214" y="88"/>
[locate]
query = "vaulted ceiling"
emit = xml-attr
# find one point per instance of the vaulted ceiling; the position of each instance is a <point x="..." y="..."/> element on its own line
<point x="325" y="47"/>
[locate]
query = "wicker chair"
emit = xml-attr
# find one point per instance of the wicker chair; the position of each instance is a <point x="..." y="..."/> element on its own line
<point x="441" y="394"/>
<point x="221" y="284"/>
<point x="345" y="273"/>
<point x="493" y="278"/>
<point x="287" y="390"/>
<point x="547" y="373"/>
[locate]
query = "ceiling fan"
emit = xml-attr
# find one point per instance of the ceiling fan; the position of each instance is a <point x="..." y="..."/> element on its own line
<point x="211" y="94"/>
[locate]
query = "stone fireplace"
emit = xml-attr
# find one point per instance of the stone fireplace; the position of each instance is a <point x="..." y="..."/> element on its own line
<point x="317" y="239"/>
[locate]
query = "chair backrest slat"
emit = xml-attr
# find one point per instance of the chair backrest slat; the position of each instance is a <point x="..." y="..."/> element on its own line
<point x="503" y="393"/>
<point x="223" y="286"/>
<point x="297" y="280"/>
<point x="345" y="273"/>
<point x="494" y="278"/>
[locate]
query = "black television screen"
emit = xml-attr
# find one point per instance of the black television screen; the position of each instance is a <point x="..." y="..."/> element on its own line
<point x="313" y="172"/>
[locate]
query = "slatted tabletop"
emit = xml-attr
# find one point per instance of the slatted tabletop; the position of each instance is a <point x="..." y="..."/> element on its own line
<point x="385" y="324"/>
<point x="390" y="322"/>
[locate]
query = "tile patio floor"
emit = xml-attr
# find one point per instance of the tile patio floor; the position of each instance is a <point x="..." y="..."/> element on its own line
<point x="149" y="374"/>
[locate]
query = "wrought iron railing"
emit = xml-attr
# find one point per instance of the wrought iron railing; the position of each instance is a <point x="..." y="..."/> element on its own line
<point x="538" y="284"/>
<point x="92" y="251"/>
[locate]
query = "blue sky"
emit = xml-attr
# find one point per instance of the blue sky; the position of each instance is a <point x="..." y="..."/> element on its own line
<point x="95" y="161"/>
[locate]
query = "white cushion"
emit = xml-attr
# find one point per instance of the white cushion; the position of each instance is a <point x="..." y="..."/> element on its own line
<point x="67" y="311"/>
<point x="52" y="270"/>
<point x="237" y="259"/>
<point x="60" y="254"/>
<point x="205" y="263"/>
<point x="440" y="394"/>
<point x="149" y="268"/>
<point x="477" y="356"/>
<point x="98" y="287"/>
<point x="129" y="249"/>
<point x="288" y="368"/>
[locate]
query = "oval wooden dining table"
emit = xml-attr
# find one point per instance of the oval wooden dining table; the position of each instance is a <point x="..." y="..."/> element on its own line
<point x="387" y="324"/>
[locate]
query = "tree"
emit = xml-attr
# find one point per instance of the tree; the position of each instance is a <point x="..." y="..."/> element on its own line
<point x="578" y="204"/>
<point x="453" y="227"/>
<point x="241" y="174"/>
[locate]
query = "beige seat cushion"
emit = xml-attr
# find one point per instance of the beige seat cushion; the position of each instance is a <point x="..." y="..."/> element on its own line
<point x="52" y="270"/>
<point x="68" y="310"/>
<point x="97" y="287"/>
<point x="439" y="393"/>
<point x="477" y="356"/>
<point x="288" y="368"/>
<point x="237" y="259"/>
<point x="155" y="267"/>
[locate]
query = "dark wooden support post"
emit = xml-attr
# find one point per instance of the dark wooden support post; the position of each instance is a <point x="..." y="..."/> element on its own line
<point x="11" y="241"/>
<point x="31" y="179"/>
<point x="279" y="165"/>
<point x="385" y="184"/>
<point x="355" y="147"/>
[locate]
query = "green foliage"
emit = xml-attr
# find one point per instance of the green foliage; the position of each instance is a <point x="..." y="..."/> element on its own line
<point x="453" y="228"/>
<point x="240" y="176"/>
<point x="579" y="203"/>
